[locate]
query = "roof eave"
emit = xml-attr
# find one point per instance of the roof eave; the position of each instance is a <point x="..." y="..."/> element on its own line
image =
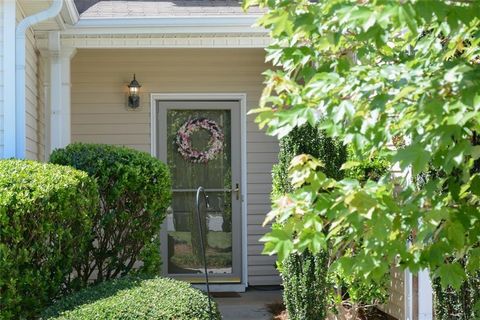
<point x="177" y="24"/>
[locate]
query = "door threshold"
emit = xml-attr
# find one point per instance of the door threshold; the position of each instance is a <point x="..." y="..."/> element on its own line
<point x="222" y="287"/>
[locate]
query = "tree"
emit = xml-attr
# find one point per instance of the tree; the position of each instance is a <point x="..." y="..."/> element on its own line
<point x="400" y="79"/>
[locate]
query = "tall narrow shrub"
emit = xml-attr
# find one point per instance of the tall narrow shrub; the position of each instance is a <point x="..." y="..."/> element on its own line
<point x="304" y="275"/>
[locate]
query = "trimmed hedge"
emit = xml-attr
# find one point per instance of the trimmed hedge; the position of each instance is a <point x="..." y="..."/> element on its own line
<point x="306" y="285"/>
<point x="44" y="225"/>
<point x="135" y="191"/>
<point x="135" y="298"/>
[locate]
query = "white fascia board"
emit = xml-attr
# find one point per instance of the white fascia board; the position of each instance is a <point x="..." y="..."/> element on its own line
<point x="69" y="12"/>
<point x="178" y="25"/>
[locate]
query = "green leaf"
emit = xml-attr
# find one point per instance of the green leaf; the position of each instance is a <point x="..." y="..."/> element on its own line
<point x="451" y="275"/>
<point x="349" y="165"/>
<point x="406" y="16"/>
<point x="473" y="264"/>
<point x="361" y="201"/>
<point x="475" y="184"/>
<point x="456" y="234"/>
<point x="413" y="155"/>
<point x="249" y="3"/>
<point x="278" y="242"/>
<point x="475" y="152"/>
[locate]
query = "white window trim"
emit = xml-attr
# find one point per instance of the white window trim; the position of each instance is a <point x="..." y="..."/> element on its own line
<point x="242" y="98"/>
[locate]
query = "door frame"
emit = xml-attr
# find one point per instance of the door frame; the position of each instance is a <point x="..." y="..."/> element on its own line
<point x="242" y="99"/>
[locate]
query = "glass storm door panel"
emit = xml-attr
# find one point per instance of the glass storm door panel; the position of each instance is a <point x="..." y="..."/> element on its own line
<point x="200" y="142"/>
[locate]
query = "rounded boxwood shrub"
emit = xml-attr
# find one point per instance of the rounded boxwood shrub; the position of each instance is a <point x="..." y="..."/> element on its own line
<point x="135" y="191"/>
<point x="135" y="298"/>
<point x="45" y="223"/>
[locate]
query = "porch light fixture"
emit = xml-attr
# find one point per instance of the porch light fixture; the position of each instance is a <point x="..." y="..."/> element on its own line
<point x="133" y="97"/>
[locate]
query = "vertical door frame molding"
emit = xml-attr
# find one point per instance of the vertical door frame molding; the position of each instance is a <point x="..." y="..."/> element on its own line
<point x="242" y="99"/>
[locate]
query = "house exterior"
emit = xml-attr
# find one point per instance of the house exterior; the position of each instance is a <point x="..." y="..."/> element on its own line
<point x="65" y="70"/>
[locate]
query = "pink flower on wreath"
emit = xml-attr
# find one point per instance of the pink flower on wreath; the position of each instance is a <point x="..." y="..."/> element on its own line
<point x="184" y="142"/>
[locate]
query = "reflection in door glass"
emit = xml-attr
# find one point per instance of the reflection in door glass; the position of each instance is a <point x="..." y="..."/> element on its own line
<point x="184" y="251"/>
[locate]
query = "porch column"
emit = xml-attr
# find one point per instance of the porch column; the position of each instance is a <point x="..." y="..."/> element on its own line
<point x="425" y="296"/>
<point x="60" y="87"/>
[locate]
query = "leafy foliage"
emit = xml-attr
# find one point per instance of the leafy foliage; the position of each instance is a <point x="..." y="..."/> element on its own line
<point x="305" y="275"/>
<point x="45" y="221"/>
<point x="359" y="295"/>
<point x="373" y="72"/>
<point x="463" y="304"/>
<point x="135" y="191"/>
<point x="371" y="168"/>
<point x="134" y="298"/>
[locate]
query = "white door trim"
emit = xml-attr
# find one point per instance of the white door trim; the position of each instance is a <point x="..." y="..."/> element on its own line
<point x="242" y="98"/>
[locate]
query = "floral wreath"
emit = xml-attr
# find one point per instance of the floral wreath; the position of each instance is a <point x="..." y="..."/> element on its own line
<point x="184" y="142"/>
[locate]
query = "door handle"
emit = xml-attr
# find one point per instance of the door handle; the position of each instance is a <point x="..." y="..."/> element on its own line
<point x="237" y="191"/>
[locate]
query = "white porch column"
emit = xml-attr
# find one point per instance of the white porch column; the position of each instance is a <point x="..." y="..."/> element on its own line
<point x="425" y="296"/>
<point x="60" y="87"/>
<point x="408" y="282"/>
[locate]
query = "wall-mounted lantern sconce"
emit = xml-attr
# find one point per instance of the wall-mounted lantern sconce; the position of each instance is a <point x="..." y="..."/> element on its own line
<point x="133" y="96"/>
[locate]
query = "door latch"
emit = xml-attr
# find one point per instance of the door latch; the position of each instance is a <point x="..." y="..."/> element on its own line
<point x="237" y="191"/>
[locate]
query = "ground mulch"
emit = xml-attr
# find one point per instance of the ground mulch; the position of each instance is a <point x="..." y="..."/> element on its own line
<point x="278" y="312"/>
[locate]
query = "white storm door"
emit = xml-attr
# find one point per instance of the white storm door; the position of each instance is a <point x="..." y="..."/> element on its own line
<point x="200" y="142"/>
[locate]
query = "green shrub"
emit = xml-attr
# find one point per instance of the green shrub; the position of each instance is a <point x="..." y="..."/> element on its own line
<point x="45" y="222"/>
<point x="305" y="275"/>
<point x="372" y="168"/>
<point x="135" y="298"/>
<point x="135" y="191"/>
<point x="358" y="293"/>
<point x="309" y="140"/>
<point x="306" y="289"/>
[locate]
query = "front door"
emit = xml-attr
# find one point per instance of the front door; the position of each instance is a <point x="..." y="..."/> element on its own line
<point x="200" y="142"/>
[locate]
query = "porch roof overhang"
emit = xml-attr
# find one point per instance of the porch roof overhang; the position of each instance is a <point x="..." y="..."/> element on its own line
<point x="219" y="29"/>
<point x="163" y="32"/>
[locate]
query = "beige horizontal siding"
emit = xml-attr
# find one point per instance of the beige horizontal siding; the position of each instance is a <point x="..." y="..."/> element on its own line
<point x="99" y="113"/>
